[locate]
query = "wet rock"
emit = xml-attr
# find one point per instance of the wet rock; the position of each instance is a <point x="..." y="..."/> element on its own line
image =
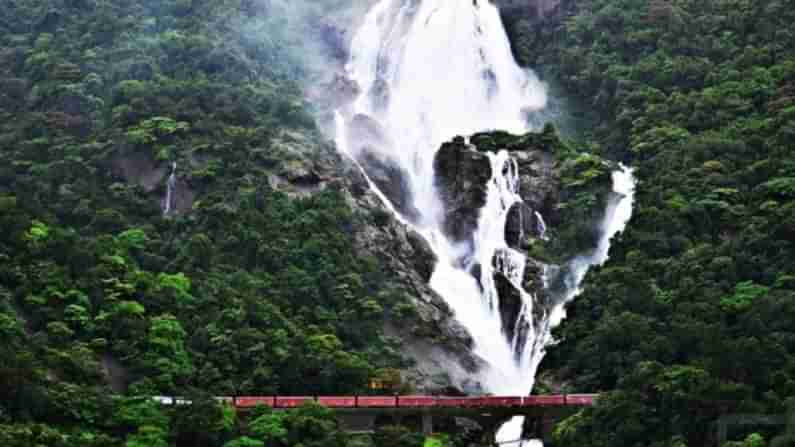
<point x="463" y="171"/>
<point x="335" y="39"/>
<point x="341" y="90"/>
<point x="367" y="132"/>
<point x="533" y="9"/>
<point x="14" y="88"/>
<point x="510" y="304"/>
<point x="539" y="180"/>
<point x="183" y="197"/>
<point x="520" y="225"/>
<point x="462" y="174"/>
<point x="139" y="169"/>
<point x="370" y="145"/>
<point x="391" y="180"/>
<point x="380" y="94"/>
<point x="425" y="260"/>
<point x="444" y="346"/>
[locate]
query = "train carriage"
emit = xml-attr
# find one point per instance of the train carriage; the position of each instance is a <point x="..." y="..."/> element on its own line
<point x="580" y="399"/>
<point x="253" y="401"/>
<point x="499" y="401"/>
<point x="337" y="401"/>
<point x="292" y="402"/>
<point x="544" y="401"/>
<point x="417" y="401"/>
<point x="377" y="401"/>
<point x="454" y="402"/>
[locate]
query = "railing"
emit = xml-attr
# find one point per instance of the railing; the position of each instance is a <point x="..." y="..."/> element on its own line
<point x="555" y="400"/>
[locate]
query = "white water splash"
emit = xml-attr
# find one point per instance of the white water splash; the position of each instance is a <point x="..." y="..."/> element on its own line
<point x="541" y="227"/>
<point x="429" y="70"/>
<point x="617" y="215"/>
<point x="171" y="184"/>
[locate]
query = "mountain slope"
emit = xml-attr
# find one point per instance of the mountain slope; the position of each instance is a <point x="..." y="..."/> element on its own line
<point x="691" y="318"/>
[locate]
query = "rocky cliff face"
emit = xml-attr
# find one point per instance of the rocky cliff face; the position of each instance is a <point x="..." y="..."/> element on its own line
<point x="430" y="333"/>
<point x="532" y="9"/>
<point x="462" y="174"/>
<point x="463" y="171"/>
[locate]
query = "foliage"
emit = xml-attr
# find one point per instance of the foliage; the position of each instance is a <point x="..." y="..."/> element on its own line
<point x="691" y="316"/>
<point x="243" y="289"/>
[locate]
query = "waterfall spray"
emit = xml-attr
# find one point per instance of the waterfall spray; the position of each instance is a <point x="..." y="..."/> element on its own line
<point x="428" y="71"/>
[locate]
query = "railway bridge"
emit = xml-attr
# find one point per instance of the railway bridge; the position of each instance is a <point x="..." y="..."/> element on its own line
<point x="364" y="413"/>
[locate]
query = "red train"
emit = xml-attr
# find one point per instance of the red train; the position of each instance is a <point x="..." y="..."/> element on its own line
<point x="412" y="401"/>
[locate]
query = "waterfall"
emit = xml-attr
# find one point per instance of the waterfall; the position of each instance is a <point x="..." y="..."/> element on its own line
<point x="614" y="221"/>
<point x="429" y="70"/>
<point x="171" y="184"/>
<point x="617" y="214"/>
<point x="541" y="227"/>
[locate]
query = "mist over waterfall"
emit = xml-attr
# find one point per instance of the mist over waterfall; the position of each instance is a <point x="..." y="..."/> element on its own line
<point x="427" y="71"/>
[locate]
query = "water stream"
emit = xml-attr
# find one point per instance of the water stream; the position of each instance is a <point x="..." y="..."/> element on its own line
<point x="429" y="70"/>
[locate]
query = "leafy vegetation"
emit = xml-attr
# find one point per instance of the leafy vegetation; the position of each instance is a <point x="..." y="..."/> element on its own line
<point x="692" y="317"/>
<point x="243" y="289"/>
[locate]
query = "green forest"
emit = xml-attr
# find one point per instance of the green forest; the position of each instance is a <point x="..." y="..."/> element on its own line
<point x="249" y="289"/>
<point x="692" y="317"/>
<point x="253" y="291"/>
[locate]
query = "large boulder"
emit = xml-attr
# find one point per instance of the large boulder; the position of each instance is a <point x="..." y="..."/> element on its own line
<point x="462" y="174"/>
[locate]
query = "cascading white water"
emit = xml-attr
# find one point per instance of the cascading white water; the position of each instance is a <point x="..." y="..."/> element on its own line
<point x="617" y="215"/>
<point x="171" y="184"/>
<point x="429" y="70"/>
<point x="542" y="227"/>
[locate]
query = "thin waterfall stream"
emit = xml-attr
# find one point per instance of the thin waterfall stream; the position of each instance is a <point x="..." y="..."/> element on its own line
<point x="427" y="71"/>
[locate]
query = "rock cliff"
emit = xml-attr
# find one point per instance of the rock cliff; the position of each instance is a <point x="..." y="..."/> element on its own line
<point x="463" y="171"/>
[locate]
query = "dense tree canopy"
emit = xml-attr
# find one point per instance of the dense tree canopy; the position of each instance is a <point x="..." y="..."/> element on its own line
<point x="242" y="289"/>
<point x="692" y="317"/>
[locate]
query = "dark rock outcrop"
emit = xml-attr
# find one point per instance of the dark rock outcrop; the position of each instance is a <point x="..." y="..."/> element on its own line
<point x="462" y="174"/>
<point x="140" y="169"/>
<point x="510" y="304"/>
<point x="391" y="180"/>
<point x="433" y="337"/>
<point x="530" y="9"/>
<point x="370" y="146"/>
<point x="520" y="224"/>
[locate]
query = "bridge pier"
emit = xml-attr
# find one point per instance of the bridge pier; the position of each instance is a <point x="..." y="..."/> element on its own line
<point x="427" y="423"/>
<point x="357" y="422"/>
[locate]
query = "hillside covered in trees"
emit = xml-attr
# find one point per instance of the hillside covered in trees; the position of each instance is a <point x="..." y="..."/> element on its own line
<point x="252" y="277"/>
<point x="247" y="284"/>
<point x="693" y="315"/>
